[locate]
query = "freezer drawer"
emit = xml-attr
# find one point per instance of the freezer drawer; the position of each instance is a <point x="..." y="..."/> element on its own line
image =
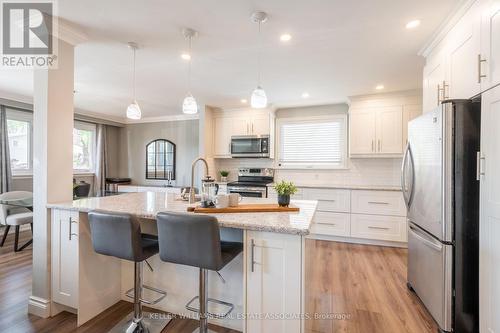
<point x="430" y="274"/>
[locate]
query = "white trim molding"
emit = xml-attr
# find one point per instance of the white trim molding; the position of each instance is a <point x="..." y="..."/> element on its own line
<point x="445" y="27"/>
<point x="39" y="306"/>
<point x="176" y="117"/>
<point x="68" y="32"/>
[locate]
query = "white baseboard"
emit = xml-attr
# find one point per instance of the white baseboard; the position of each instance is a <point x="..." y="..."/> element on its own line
<point x="357" y="240"/>
<point x="39" y="307"/>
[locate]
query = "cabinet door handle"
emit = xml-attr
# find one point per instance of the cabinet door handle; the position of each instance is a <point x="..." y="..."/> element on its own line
<point x="378" y="203"/>
<point x="248" y="131"/>
<point x="70" y="233"/>
<point x="479" y="166"/>
<point x="252" y="128"/>
<point x="438" y="94"/>
<point x="373" y="145"/>
<point x="444" y="90"/>
<point x="252" y="255"/>
<point x="377" y="228"/>
<point x="480" y="75"/>
<point x="379" y="145"/>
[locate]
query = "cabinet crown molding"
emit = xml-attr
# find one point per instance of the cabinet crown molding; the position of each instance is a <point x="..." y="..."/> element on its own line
<point x="452" y="19"/>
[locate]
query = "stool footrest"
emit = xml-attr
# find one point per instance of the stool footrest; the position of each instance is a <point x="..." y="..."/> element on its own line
<point x="130" y="293"/>
<point x="211" y="300"/>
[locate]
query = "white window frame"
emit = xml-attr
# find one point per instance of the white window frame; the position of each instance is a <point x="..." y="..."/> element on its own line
<point x="84" y="126"/>
<point x="312" y="119"/>
<point x="15" y="114"/>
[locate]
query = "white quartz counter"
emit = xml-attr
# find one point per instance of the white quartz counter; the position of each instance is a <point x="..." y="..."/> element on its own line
<point x="148" y="204"/>
<point x="348" y="187"/>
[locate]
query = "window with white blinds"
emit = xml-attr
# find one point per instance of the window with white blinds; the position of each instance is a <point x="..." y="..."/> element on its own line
<point x="320" y="143"/>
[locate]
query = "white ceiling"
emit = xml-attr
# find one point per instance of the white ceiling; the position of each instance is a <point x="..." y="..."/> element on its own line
<point x="339" y="48"/>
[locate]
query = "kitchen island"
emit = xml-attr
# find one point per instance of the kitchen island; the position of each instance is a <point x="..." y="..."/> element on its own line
<point x="265" y="283"/>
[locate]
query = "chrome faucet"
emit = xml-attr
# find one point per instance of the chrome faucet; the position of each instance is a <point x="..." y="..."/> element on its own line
<point x="192" y="191"/>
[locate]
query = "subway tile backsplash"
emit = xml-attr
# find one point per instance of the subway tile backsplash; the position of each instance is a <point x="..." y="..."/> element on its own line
<point x="369" y="171"/>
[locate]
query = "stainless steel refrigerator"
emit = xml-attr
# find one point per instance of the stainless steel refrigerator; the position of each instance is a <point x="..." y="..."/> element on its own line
<point x="441" y="192"/>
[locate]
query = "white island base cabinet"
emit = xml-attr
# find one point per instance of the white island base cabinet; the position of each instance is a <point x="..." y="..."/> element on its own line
<point x="270" y="279"/>
<point x="274" y="282"/>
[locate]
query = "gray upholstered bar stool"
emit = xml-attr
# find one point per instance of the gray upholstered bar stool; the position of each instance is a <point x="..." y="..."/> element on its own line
<point x="194" y="240"/>
<point x="119" y="235"/>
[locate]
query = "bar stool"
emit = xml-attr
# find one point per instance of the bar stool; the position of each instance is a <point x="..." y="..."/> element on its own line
<point x="119" y="235"/>
<point x="194" y="240"/>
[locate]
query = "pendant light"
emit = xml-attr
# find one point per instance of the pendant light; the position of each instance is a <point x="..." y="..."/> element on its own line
<point x="189" y="106"/>
<point x="259" y="98"/>
<point x="133" y="110"/>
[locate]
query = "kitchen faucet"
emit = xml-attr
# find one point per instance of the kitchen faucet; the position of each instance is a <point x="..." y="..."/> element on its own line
<point x="192" y="191"/>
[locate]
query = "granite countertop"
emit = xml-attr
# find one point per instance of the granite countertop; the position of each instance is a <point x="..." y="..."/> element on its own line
<point x="348" y="187"/>
<point x="148" y="204"/>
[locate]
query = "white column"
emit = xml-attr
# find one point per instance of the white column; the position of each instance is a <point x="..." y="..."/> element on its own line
<point x="52" y="164"/>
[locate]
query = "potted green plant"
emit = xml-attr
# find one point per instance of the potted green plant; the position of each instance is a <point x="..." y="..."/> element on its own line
<point x="285" y="190"/>
<point x="223" y="175"/>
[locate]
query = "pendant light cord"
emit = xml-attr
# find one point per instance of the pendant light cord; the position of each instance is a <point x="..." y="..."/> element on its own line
<point x="189" y="66"/>
<point x="133" y="77"/>
<point x="259" y="55"/>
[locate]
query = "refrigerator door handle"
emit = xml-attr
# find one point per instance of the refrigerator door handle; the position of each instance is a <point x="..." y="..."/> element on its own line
<point x="426" y="239"/>
<point x="407" y="192"/>
<point x="403" y="174"/>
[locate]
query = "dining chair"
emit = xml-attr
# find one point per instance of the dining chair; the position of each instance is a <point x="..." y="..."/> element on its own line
<point x="11" y="215"/>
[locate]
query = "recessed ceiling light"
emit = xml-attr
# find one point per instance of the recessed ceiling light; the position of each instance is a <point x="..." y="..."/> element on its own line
<point x="305" y="95"/>
<point x="243" y="101"/>
<point x="285" y="37"/>
<point x="186" y="56"/>
<point x="412" y="24"/>
<point x="380" y="87"/>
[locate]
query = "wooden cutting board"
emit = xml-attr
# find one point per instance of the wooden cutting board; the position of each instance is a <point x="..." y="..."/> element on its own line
<point x="246" y="208"/>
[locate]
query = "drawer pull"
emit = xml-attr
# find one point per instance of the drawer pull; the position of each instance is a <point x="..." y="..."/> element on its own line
<point x="378" y="203"/>
<point x="323" y="223"/>
<point x="378" y="228"/>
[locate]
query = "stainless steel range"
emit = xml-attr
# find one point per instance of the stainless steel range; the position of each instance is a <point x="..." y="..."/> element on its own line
<point x="252" y="182"/>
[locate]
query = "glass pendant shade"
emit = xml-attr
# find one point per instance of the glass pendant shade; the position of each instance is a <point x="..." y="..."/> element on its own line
<point x="189" y="106"/>
<point x="134" y="111"/>
<point x="259" y="98"/>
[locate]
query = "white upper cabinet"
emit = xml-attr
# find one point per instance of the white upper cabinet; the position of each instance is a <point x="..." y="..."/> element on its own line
<point x="260" y="124"/>
<point x="434" y="81"/>
<point x="362" y="130"/>
<point x="222" y="136"/>
<point x="467" y="60"/>
<point x="462" y="56"/>
<point x="376" y="131"/>
<point x="240" y="122"/>
<point x="490" y="44"/>
<point x="390" y="130"/>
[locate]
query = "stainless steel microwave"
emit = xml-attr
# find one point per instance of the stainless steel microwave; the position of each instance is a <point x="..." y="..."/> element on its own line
<point x="255" y="146"/>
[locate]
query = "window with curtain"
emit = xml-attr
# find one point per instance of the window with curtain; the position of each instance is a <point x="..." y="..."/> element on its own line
<point x="313" y="142"/>
<point x="84" y="147"/>
<point x="19" y="131"/>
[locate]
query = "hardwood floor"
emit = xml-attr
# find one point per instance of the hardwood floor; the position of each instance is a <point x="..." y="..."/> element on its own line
<point x="359" y="289"/>
<point x="351" y="288"/>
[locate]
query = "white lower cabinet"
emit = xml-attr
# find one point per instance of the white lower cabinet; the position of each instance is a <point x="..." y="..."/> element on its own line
<point x="387" y="228"/>
<point x="273" y="282"/>
<point x="65" y="257"/>
<point x="363" y="214"/>
<point x="333" y="224"/>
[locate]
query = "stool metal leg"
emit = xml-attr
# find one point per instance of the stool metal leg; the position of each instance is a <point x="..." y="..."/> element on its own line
<point x="137" y="292"/>
<point x="139" y="322"/>
<point x="203" y="303"/>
